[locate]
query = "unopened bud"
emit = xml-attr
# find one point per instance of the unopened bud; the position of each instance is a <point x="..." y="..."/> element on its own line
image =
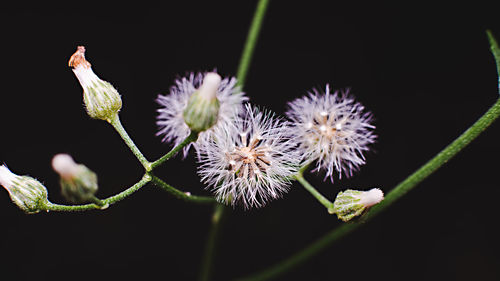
<point x="352" y="203"/>
<point x="78" y="183"/>
<point x="102" y="100"/>
<point x="26" y="192"/>
<point x="202" y="110"/>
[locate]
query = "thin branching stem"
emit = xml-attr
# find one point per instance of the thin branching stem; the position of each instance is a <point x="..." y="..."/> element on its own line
<point x="105" y="202"/>
<point x="186" y="196"/>
<point x="322" y="199"/>
<point x="189" y="139"/>
<point x="207" y="263"/>
<point x="115" y="122"/>
<point x="244" y="65"/>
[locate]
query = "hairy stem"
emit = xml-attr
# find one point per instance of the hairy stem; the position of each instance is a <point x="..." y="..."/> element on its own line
<point x="496" y="53"/>
<point x="251" y="41"/>
<point x="180" y="194"/>
<point x="244" y="65"/>
<point x="208" y="258"/>
<point x="105" y="202"/>
<point x="115" y="122"/>
<point x="189" y="139"/>
<point x="401" y="189"/>
<point x="322" y="199"/>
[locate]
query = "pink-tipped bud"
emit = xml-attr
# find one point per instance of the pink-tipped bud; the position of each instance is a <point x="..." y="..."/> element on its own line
<point x="352" y="203"/>
<point x="26" y="192"/>
<point x="203" y="106"/>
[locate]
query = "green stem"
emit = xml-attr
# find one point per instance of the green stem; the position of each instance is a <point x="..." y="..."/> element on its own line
<point x="251" y="41"/>
<point x="323" y="200"/>
<point x="180" y="194"/>
<point x="115" y="122"/>
<point x="496" y="53"/>
<point x="189" y="139"/>
<point x="106" y="202"/>
<point x="244" y="65"/>
<point x="401" y="189"/>
<point x="206" y="268"/>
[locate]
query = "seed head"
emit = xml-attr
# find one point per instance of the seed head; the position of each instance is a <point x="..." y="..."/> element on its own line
<point x="332" y="129"/>
<point x="250" y="161"/>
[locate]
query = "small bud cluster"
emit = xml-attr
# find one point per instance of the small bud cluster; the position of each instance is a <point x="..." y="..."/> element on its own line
<point x="78" y="185"/>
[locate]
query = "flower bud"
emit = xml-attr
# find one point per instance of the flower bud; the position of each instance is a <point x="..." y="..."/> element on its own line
<point x="352" y="203"/>
<point x="202" y="110"/>
<point x="102" y="101"/>
<point x="78" y="183"/>
<point x="26" y="192"/>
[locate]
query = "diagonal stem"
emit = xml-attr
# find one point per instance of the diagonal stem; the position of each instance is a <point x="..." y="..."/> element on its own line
<point x="401" y="189"/>
<point x="189" y="139"/>
<point x="115" y="122"/>
<point x="105" y="202"/>
<point x="207" y="264"/>
<point x="180" y="194"/>
<point x="251" y="41"/>
<point x="322" y="199"/>
<point x="244" y="65"/>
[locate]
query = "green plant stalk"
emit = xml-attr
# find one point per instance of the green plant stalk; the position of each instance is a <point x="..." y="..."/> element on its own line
<point x="180" y="194"/>
<point x="244" y="65"/>
<point x="207" y="263"/>
<point x="322" y="199"/>
<point x="106" y="202"/>
<point x="251" y="41"/>
<point x="189" y="139"/>
<point x="401" y="189"/>
<point x="115" y="122"/>
<point x="496" y="53"/>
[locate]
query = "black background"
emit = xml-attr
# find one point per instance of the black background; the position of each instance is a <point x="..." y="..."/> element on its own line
<point x="425" y="71"/>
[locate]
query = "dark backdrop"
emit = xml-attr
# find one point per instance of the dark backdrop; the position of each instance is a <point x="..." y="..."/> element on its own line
<point x="425" y="71"/>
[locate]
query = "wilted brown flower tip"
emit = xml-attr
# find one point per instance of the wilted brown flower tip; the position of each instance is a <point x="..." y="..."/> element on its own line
<point x="78" y="58"/>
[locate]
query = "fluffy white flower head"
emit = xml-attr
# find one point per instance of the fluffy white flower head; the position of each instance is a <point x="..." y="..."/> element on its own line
<point x="170" y="120"/>
<point x="249" y="161"/>
<point x="332" y="129"/>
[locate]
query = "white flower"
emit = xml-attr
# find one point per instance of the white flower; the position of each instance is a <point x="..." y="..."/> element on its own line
<point x="170" y="120"/>
<point x="249" y="161"/>
<point x="352" y="203"/>
<point x="102" y="101"/>
<point x="333" y="130"/>
<point x="26" y="192"/>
